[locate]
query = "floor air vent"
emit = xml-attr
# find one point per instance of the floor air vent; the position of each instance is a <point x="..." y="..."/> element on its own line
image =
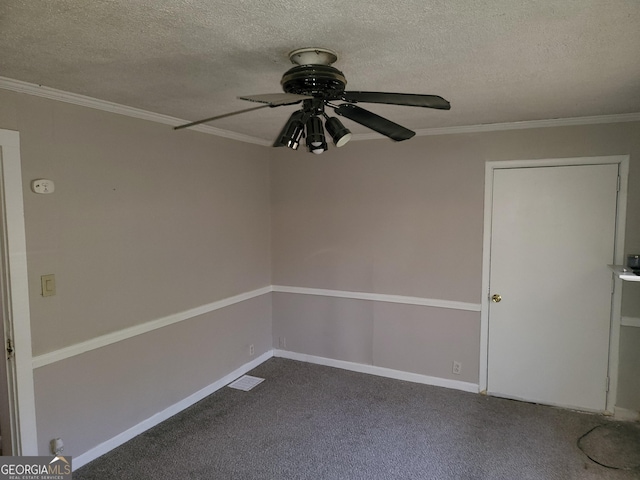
<point x="246" y="383"/>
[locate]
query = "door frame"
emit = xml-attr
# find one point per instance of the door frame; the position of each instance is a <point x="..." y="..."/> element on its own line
<point x="621" y="215"/>
<point x="15" y="299"/>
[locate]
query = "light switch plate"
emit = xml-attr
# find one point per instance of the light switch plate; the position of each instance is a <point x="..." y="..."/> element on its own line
<point x="48" y="285"/>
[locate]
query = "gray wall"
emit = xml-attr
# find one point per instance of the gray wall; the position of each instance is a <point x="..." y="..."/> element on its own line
<point x="145" y="222"/>
<point x="407" y="219"/>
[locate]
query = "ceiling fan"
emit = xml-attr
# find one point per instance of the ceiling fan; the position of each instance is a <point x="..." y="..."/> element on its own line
<point x="317" y="85"/>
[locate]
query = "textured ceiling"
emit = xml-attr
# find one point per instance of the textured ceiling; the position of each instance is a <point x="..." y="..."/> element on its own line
<point x="495" y="61"/>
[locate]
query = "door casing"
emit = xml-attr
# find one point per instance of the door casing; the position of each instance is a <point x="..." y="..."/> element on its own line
<point x="614" y="337"/>
<point x="15" y="299"/>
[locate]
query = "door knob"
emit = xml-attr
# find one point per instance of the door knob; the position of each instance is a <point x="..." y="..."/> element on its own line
<point x="495" y="298"/>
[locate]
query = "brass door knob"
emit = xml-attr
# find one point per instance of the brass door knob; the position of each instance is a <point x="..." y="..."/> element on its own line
<point x="495" y="298"/>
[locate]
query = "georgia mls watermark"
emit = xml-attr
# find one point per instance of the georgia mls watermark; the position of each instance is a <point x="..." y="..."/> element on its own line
<point x="35" y="468"/>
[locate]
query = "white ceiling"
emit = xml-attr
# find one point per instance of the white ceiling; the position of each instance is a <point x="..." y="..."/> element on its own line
<point x="496" y="61"/>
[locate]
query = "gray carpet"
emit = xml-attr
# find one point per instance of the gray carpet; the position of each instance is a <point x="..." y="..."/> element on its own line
<point x="615" y="445"/>
<point x="312" y="422"/>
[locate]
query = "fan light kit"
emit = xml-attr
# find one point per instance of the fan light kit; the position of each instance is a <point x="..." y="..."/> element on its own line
<point x="317" y="85"/>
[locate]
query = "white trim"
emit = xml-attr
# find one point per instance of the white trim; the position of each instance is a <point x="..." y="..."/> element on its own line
<point x="499" y="127"/>
<point x="108" y="445"/>
<point x="559" y="162"/>
<point x="379" y="371"/>
<point x="108" y="339"/>
<point x="616" y="300"/>
<point x="124" y="334"/>
<point x="552" y="122"/>
<point x="25" y="441"/>
<point x="167" y="413"/>
<point x="630" y="321"/>
<point x="486" y="263"/>
<point x="623" y="162"/>
<point x="626" y="415"/>
<point x="379" y="297"/>
<point x="120" y="335"/>
<point x="89" y="102"/>
<point x="551" y="404"/>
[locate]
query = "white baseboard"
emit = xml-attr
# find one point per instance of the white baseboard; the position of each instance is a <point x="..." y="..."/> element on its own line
<point x="159" y="417"/>
<point x="107" y="446"/>
<point x="626" y="414"/>
<point x="380" y="371"/>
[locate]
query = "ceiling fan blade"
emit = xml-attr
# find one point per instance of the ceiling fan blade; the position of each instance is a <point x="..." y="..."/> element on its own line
<point x="374" y="122"/>
<point x="409" y="99"/>
<point x="276" y="99"/>
<point x="217" y="117"/>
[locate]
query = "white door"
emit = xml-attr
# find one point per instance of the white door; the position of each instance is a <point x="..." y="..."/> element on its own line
<point x="552" y="236"/>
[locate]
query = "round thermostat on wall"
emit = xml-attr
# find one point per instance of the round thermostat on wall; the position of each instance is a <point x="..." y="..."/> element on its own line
<point x="42" y="185"/>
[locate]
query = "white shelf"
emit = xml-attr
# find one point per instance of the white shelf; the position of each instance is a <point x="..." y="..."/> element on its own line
<point x="625" y="273"/>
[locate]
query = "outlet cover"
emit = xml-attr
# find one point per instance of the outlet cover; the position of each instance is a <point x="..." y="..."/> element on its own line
<point x="457" y="368"/>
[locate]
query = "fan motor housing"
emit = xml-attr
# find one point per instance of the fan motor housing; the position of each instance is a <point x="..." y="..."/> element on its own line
<point x="317" y="80"/>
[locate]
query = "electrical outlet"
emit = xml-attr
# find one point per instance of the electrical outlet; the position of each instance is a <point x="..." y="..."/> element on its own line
<point x="57" y="446"/>
<point x="282" y="342"/>
<point x="251" y="349"/>
<point x="457" y="368"/>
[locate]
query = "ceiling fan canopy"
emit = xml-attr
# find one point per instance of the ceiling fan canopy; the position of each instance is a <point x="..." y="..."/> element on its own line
<point x="316" y="84"/>
<point x="314" y="75"/>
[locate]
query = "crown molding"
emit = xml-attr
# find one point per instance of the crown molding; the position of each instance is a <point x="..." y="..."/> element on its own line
<point x="497" y="127"/>
<point x="82" y="100"/>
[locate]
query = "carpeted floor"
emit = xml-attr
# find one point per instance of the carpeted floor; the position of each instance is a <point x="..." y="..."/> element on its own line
<point x="319" y="423"/>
